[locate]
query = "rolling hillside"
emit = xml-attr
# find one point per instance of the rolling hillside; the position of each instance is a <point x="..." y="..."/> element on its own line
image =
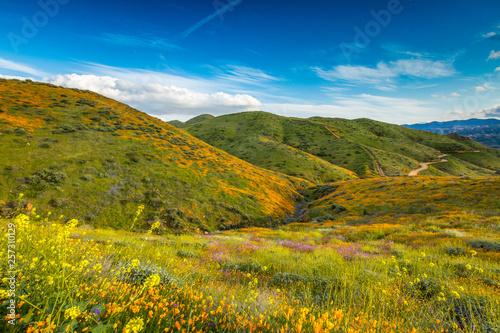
<point x="365" y="147"/>
<point x="81" y="155"/>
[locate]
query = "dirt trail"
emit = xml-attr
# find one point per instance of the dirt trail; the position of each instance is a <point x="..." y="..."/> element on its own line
<point x="377" y="166"/>
<point x="425" y="166"/>
<point x="338" y="137"/>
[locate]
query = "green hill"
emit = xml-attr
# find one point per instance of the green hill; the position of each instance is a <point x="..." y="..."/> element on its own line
<point x="266" y="140"/>
<point x="78" y="154"/>
<point x="366" y="147"/>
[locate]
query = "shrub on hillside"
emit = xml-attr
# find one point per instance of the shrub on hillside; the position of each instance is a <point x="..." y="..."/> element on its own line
<point x="454" y="251"/>
<point x="425" y="288"/>
<point x="485" y="244"/>
<point x="64" y="129"/>
<point x="187" y="254"/>
<point x="137" y="274"/>
<point x="20" y="131"/>
<point x="58" y="202"/>
<point x="338" y="208"/>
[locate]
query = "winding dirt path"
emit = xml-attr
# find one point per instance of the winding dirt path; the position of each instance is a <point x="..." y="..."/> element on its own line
<point x="377" y="166"/>
<point x="425" y="166"/>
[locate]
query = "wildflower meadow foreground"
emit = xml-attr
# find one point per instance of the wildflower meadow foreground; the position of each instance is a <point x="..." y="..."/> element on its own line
<point x="334" y="277"/>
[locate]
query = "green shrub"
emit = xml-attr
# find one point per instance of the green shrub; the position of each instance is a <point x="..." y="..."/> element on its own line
<point x="338" y="208"/>
<point x="20" y="131"/>
<point x="250" y="266"/>
<point x="187" y="254"/>
<point x="44" y="145"/>
<point x="485" y="244"/>
<point x="463" y="269"/>
<point x="64" y="129"/>
<point x="426" y="288"/>
<point x="58" y="202"/>
<point x="138" y="275"/>
<point x="84" y="101"/>
<point x="455" y="251"/>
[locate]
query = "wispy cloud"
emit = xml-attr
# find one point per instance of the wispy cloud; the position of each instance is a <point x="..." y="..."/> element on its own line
<point x="384" y="74"/>
<point x="490" y="34"/>
<point x="19" y="67"/>
<point x="137" y="41"/>
<point x="247" y="75"/>
<point x="494" y="55"/>
<point x="219" y="12"/>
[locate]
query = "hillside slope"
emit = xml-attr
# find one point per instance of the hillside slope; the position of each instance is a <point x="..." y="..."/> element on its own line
<point x="366" y="147"/>
<point x="261" y="139"/>
<point x="78" y="154"/>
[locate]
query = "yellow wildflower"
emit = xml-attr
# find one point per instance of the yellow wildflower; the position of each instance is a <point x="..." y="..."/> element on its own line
<point x="152" y="281"/>
<point x="134" y="325"/>
<point x="72" y="313"/>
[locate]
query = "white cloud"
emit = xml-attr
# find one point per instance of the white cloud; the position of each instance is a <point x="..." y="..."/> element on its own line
<point x="19" y="67"/>
<point x="383" y="74"/>
<point x="455" y="94"/>
<point x="159" y="99"/>
<point x="493" y="112"/>
<point x="15" y="77"/>
<point x="357" y="74"/>
<point x="490" y="34"/>
<point x="480" y="88"/>
<point x="494" y="55"/>
<point x="497" y="69"/>
<point x="426" y="69"/>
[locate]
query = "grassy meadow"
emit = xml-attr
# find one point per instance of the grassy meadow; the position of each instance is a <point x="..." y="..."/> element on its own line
<point x="356" y="272"/>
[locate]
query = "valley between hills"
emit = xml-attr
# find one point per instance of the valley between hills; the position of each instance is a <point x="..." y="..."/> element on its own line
<point x="246" y="222"/>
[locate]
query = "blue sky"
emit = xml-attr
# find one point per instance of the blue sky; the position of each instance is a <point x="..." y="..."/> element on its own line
<point x="399" y="61"/>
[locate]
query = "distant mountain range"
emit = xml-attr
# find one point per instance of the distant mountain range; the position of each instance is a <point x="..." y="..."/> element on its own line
<point x="485" y="131"/>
